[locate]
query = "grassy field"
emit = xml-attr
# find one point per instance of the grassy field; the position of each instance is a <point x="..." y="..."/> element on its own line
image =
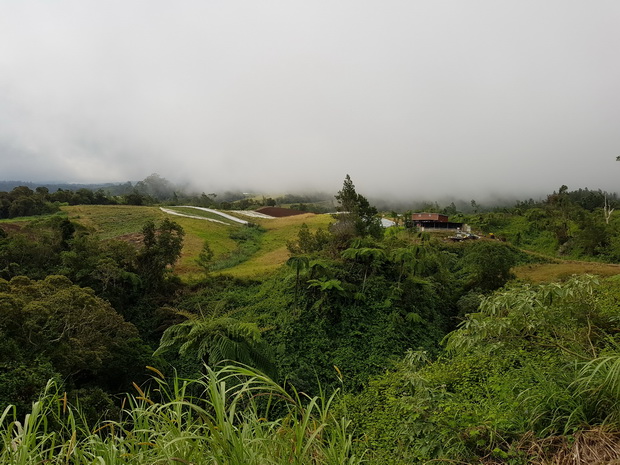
<point x="552" y="272"/>
<point x="123" y="221"/>
<point x="110" y="221"/>
<point x="196" y="233"/>
<point x="270" y="256"/>
<point x="273" y="251"/>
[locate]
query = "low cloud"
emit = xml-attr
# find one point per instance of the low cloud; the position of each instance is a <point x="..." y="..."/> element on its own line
<point x="410" y="98"/>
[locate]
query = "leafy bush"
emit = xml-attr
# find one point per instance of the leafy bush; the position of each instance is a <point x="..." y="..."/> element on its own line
<point x="248" y="243"/>
<point x="532" y="362"/>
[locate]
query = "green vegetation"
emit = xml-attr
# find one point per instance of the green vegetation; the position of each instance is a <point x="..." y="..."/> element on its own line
<point x="533" y="363"/>
<point x="273" y="252"/>
<point x="377" y="346"/>
<point x="113" y="221"/>
<point x="248" y="240"/>
<point x="574" y="225"/>
<point x="237" y="416"/>
<point x="55" y="329"/>
<point x="562" y="270"/>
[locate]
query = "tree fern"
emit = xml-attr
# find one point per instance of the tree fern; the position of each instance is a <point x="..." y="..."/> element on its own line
<point x="216" y="339"/>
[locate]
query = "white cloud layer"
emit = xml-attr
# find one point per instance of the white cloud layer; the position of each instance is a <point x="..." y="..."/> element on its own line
<point x="441" y="97"/>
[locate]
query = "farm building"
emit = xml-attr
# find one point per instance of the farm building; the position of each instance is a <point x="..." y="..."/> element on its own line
<point x="434" y="221"/>
<point x="436" y="217"/>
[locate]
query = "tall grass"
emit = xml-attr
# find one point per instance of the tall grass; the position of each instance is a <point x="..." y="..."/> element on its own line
<point x="233" y="415"/>
<point x="598" y="384"/>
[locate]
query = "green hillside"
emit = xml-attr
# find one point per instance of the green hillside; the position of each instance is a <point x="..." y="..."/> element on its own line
<point x="125" y="222"/>
<point x="113" y="221"/>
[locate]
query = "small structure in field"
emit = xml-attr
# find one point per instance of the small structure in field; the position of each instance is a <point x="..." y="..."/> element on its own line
<point x="279" y="212"/>
<point x="437" y="221"/>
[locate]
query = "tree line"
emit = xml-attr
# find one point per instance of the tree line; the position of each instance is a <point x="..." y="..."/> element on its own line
<point x="24" y="201"/>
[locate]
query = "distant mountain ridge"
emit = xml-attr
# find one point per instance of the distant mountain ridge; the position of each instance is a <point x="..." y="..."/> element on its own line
<point x="7" y="186"/>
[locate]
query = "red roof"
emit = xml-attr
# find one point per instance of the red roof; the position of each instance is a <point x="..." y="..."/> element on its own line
<point x="429" y="217"/>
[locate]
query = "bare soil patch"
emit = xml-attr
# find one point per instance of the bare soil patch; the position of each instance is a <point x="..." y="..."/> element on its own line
<point x="280" y="212"/>
<point x="11" y="228"/>
<point x="132" y="238"/>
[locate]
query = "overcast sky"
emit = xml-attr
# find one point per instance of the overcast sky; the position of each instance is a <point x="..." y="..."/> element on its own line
<point x="462" y="97"/>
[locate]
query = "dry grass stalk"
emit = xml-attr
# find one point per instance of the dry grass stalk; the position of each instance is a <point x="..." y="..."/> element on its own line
<point x="590" y="447"/>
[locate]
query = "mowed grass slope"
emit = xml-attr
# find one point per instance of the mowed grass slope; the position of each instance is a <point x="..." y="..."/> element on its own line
<point x="113" y="221"/>
<point x="271" y="254"/>
<point x="126" y="222"/>
<point x="273" y="251"/>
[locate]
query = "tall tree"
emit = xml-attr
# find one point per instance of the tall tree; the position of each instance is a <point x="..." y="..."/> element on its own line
<point x="298" y="263"/>
<point x="79" y="334"/>
<point x="357" y="217"/>
<point x="205" y="257"/>
<point x="347" y="197"/>
<point x="162" y="248"/>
